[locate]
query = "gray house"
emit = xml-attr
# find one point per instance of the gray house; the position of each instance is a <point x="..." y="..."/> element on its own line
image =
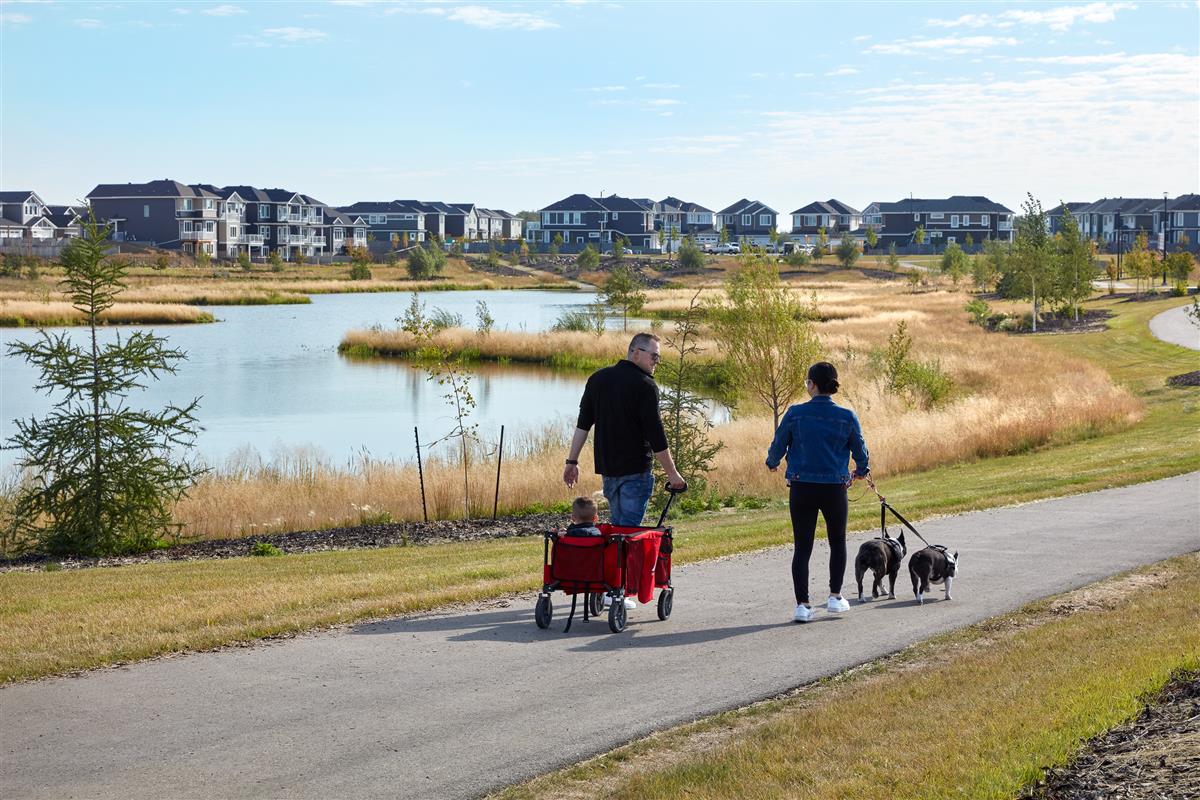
<point x="463" y="221"/>
<point x="748" y="219"/>
<point x="345" y="231"/>
<point x="24" y="218"/>
<point x="1118" y="220"/>
<point x="163" y="212"/>
<point x="391" y="224"/>
<point x="1182" y="222"/>
<point x="944" y="220"/>
<point x="833" y="215"/>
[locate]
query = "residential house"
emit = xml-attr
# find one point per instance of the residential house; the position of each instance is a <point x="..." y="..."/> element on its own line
<point x="834" y="216"/>
<point x="1055" y="215"/>
<point x="511" y="226"/>
<point x="463" y="221"/>
<point x="234" y="236"/>
<point x="435" y="216"/>
<point x="345" y="231"/>
<point x="581" y="220"/>
<point x="24" y="219"/>
<point x="490" y="222"/>
<point x="68" y="220"/>
<point x="1182" y="221"/>
<point x="391" y="224"/>
<point x="163" y="212"/>
<point x="1118" y="220"/>
<point x="944" y="220"/>
<point x="688" y="219"/>
<point x="748" y="220"/>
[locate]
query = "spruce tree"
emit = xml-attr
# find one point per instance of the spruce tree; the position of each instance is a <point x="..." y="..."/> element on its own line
<point x="103" y="478"/>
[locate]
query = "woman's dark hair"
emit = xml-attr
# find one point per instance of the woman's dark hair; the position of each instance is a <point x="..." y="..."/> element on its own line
<point x="824" y="375"/>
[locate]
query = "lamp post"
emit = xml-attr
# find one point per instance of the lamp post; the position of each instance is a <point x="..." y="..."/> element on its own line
<point x="1163" y="233"/>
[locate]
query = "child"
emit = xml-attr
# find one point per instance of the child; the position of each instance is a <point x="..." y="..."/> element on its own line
<point x="583" y="518"/>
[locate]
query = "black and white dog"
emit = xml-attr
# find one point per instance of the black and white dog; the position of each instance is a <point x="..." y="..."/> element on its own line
<point x="882" y="556"/>
<point x="934" y="564"/>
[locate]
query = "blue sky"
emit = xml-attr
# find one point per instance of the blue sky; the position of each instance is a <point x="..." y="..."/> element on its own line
<point x="514" y="105"/>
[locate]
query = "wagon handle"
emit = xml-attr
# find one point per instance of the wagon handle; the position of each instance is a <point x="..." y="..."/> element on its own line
<point x="670" y="499"/>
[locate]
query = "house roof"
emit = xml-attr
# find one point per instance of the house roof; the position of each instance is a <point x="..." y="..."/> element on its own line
<point x="462" y="208"/>
<point x="1185" y="202"/>
<point x="685" y="206"/>
<point x="827" y="207"/>
<point x="247" y="193"/>
<point x="576" y="202"/>
<point x="970" y="204"/>
<point x="379" y="207"/>
<point x="437" y="206"/>
<point x="615" y="202"/>
<point x="745" y="206"/>
<point x="16" y="197"/>
<point x="63" y="219"/>
<point x="281" y="195"/>
<point x="1123" y="205"/>
<point x="160" y="188"/>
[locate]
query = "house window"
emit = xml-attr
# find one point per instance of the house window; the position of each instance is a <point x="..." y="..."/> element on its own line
<point x="953" y="220"/>
<point x="264" y="211"/>
<point x="1178" y="219"/>
<point x="594" y="235"/>
<point x="809" y="220"/>
<point x="187" y="227"/>
<point x="950" y="240"/>
<point x="917" y="217"/>
<point x="983" y="219"/>
<point x="747" y="219"/>
<point x="210" y="227"/>
<point x="937" y="215"/>
<point x="338" y="233"/>
<point x="764" y="220"/>
<point x="146" y="211"/>
<point x="966" y="220"/>
<point x="187" y="205"/>
<point x="208" y="203"/>
<point x="233" y="232"/>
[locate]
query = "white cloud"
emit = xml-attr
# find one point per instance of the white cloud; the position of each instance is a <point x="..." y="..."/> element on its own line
<point x="950" y="45"/>
<point x="660" y="85"/>
<point x="1109" y="58"/>
<point x="293" y="35"/>
<point x="9" y="18"/>
<point x="1058" y="19"/>
<point x="862" y="38"/>
<point x="841" y="71"/>
<point x="664" y="101"/>
<point x="223" y="11"/>
<point x="89" y="23"/>
<point x="605" y="89"/>
<point x="181" y="11"/>
<point x="489" y="18"/>
<point x="802" y="74"/>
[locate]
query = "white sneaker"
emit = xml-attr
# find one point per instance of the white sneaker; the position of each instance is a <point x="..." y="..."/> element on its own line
<point x="837" y="604"/>
<point x="630" y="605"/>
<point x="803" y="614"/>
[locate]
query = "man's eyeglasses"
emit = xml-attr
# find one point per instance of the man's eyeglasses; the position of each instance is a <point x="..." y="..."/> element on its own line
<point x="654" y="357"/>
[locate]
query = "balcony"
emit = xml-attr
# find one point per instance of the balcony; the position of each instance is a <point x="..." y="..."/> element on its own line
<point x="198" y="236"/>
<point x="318" y="241"/>
<point x="252" y="239"/>
<point x="195" y="213"/>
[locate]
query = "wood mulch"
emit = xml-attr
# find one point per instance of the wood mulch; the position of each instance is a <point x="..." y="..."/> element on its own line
<point x="1154" y="757"/>
<point x="392" y="534"/>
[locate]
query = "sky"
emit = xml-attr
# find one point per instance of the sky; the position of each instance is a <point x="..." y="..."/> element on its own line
<point x="516" y="105"/>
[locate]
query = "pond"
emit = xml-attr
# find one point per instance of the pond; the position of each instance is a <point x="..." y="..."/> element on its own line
<point x="270" y="379"/>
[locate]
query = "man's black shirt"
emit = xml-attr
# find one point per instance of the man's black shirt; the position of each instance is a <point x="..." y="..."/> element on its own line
<point x="622" y="402"/>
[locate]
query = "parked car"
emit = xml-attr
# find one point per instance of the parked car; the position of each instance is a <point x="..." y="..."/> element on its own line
<point x="727" y="247"/>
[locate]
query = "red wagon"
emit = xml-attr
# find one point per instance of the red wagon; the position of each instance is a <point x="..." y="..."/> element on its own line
<point x="622" y="561"/>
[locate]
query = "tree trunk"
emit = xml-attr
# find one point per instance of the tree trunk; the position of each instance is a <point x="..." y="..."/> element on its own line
<point x="1034" y="283"/>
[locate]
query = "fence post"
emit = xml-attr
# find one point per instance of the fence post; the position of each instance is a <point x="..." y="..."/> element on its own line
<point x="420" y="474"/>
<point x="499" y="461"/>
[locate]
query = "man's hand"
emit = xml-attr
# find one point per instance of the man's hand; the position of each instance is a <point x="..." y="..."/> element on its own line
<point x="676" y="481"/>
<point x="571" y="475"/>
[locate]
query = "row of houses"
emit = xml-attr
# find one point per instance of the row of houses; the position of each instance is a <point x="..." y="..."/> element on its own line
<point x="230" y="220"/>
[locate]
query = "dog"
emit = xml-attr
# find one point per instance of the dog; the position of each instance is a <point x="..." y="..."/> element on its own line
<point x="881" y="556"/>
<point x="934" y="564"/>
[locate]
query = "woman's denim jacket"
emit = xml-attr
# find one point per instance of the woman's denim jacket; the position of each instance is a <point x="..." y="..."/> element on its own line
<point x="819" y="436"/>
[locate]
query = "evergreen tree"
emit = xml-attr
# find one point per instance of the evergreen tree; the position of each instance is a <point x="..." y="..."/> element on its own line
<point x="104" y="477"/>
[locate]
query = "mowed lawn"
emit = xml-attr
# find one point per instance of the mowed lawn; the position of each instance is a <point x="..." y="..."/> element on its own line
<point x="55" y="622"/>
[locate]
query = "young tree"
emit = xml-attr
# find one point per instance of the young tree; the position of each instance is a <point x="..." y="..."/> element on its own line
<point x="1140" y="263"/>
<point x="624" y="290"/>
<point x="404" y="240"/>
<point x="954" y="262"/>
<point x="1180" y="265"/>
<point x="484" y="318"/>
<point x="419" y="263"/>
<point x="105" y="477"/>
<point x="690" y="256"/>
<point x="766" y="334"/>
<point x="300" y="258"/>
<point x="724" y="237"/>
<point x="276" y="261"/>
<point x="588" y="259"/>
<point x="244" y="260"/>
<point x="872" y="238"/>
<point x="360" y="261"/>
<point x="161" y="261"/>
<point x="919" y="236"/>
<point x="203" y="259"/>
<point x="970" y="240"/>
<point x="619" y="249"/>
<point x="555" y="244"/>
<point x="523" y="251"/>
<point x="1074" y="264"/>
<point x="822" y="243"/>
<point x="847" y="251"/>
<point x="893" y="260"/>
<point x="1032" y="259"/>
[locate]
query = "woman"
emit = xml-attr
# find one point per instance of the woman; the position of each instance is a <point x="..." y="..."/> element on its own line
<point x="819" y="436"/>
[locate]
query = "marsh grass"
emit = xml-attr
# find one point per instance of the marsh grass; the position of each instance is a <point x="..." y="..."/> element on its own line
<point x="60" y="313"/>
<point x="1023" y="691"/>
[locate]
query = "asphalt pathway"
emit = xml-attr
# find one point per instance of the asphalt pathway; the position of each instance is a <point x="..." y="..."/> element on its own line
<point x="456" y="704"/>
<point x="1176" y="327"/>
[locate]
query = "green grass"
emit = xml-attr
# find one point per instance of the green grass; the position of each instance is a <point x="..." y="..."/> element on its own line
<point x="978" y="713"/>
<point x="56" y="622"/>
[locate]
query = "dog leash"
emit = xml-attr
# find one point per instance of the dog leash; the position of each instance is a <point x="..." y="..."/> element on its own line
<point x="885" y="507"/>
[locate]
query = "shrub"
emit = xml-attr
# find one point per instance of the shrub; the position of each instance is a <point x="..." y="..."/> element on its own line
<point x="690" y="256"/>
<point x="420" y="264"/>
<point x="925" y="382"/>
<point x="848" y="252"/>
<point x="441" y="319"/>
<point x="588" y="259"/>
<point x="980" y="311"/>
<point x="360" y="272"/>
<point x="244" y="260"/>
<point x="797" y="258"/>
<point x="264" y="549"/>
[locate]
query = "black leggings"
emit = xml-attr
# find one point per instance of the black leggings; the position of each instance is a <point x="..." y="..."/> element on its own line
<point x="805" y="501"/>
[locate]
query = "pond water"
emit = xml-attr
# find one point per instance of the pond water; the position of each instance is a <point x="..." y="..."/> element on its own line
<point x="270" y="379"/>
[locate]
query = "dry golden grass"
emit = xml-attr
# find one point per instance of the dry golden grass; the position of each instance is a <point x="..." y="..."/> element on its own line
<point x="22" y="313"/>
<point x="1012" y="394"/>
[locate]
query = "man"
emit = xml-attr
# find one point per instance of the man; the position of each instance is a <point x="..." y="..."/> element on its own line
<point x="622" y="402"/>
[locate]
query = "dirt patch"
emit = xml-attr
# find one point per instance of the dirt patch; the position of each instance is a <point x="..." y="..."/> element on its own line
<point x="393" y="534"/>
<point x="1186" y="379"/>
<point x="1155" y="756"/>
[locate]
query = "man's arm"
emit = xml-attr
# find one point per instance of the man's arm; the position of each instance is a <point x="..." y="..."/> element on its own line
<point x="674" y="479"/>
<point x="652" y="427"/>
<point x="571" y="471"/>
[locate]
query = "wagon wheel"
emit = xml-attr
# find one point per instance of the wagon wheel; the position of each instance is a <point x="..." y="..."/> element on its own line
<point x="616" y="615"/>
<point x="596" y="603"/>
<point x="544" y="611"/>
<point x="666" y="599"/>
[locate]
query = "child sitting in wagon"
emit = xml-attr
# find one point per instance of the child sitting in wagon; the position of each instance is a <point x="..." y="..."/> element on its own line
<point x="583" y="518"/>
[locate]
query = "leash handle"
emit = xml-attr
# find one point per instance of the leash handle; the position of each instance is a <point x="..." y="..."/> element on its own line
<point x="884" y="507"/>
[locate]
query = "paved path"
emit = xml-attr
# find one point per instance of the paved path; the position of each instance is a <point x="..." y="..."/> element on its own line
<point x="1176" y="327"/>
<point x="455" y="704"/>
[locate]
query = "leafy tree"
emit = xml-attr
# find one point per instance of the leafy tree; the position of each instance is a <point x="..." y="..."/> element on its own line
<point x="872" y="238"/>
<point x="822" y="243"/>
<point x="404" y="240"/>
<point x="919" y="236"/>
<point x="244" y="260"/>
<point x="1140" y="263"/>
<point x="419" y="263"/>
<point x="690" y="256"/>
<point x="523" y="251"/>
<point x="993" y="265"/>
<point x="893" y="260"/>
<point x="619" y="249"/>
<point x="847" y="251"/>
<point x="555" y="244"/>
<point x="982" y="273"/>
<point x="954" y="262"/>
<point x="360" y="260"/>
<point x="724" y="237"/>
<point x="684" y="414"/>
<point x="624" y="290"/>
<point x="1032" y="260"/>
<point x="1074" y="264"/>
<point x="203" y="259"/>
<point x="437" y="256"/>
<point x="300" y="258"/>
<point x="1180" y="265"/>
<point x="588" y="259"/>
<point x="276" y="261"/>
<point x="766" y="334"/>
<point x="104" y="479"/>
<point x="492" y="259"/>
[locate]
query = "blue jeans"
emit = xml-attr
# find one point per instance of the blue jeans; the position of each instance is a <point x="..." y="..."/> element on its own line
<point x="628" y="496"/>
